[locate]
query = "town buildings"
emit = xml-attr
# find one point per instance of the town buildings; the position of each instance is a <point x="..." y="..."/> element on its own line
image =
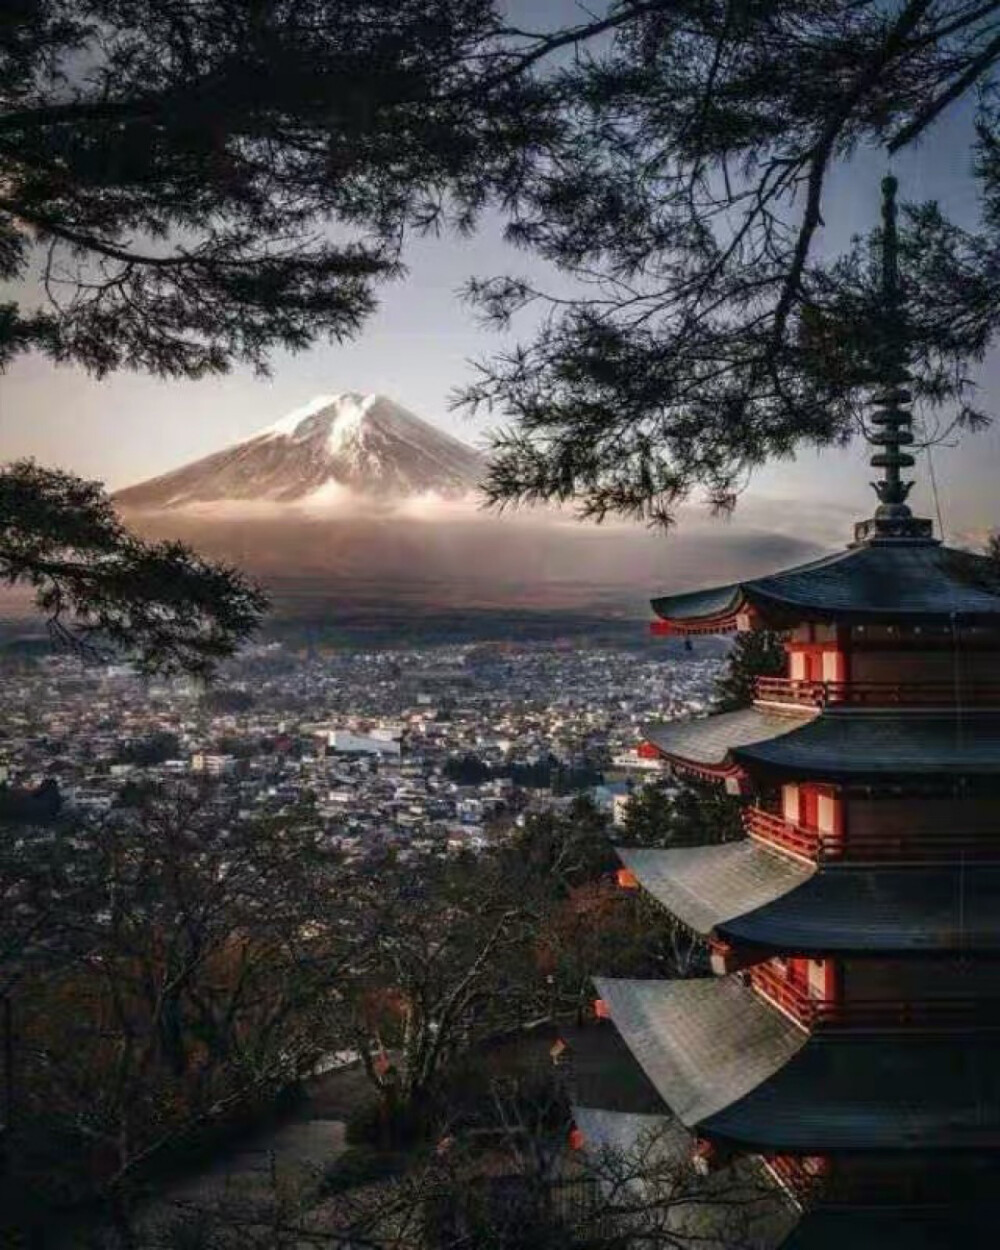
<point x="420" y="751"/>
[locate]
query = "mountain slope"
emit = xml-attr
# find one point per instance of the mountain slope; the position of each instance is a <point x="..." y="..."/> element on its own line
<point x="366" y="444"/>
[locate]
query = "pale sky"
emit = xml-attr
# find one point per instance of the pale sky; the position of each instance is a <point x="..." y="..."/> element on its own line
<point x="419" y="348"/>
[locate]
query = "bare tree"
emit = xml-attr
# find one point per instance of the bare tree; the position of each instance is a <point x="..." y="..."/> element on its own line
<point x="520" y="1186"/>
<point x="197" y="980"/>
<point x="449" y="961"/>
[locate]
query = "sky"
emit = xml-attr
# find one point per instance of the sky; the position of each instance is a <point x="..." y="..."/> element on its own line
<point x="421" y="345"/>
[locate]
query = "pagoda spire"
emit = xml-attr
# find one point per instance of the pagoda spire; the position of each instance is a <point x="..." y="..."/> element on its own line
<point x="892" y="398"/>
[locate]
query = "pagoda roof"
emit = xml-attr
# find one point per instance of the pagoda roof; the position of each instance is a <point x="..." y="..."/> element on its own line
<point x="837" y="744"/>
<point x="704" y="886"/>
<point x="704" y="1044"/>
<point x="900" y="581"/>
<point x="709" y="741"/>
<point x="732" y="1067"/>
<point x="871" y="1092"/>
<point x="744" y="893"/>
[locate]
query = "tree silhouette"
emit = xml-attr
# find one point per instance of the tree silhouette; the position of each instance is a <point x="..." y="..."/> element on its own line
<point x="705" y="334"/>
<point x="196" y="183"/>
<point x="104" y="591"/>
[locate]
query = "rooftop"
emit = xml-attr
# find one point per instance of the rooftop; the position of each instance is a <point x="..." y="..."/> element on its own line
<point x="861" y="745"/>
<point x="742" y="892"/>
<point x="905" y="582"/>
<point x="734" y="1068"/>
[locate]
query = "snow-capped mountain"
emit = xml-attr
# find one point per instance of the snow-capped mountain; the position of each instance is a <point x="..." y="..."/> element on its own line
<point x="363" y="444"/>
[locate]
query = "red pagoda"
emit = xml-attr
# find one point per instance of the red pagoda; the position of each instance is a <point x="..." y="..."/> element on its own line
<point x="849" y="1043"/>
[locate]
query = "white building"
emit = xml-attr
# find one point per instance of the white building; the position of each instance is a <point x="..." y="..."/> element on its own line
<point x="213" y="765"/>
<point x="377" y="742"/>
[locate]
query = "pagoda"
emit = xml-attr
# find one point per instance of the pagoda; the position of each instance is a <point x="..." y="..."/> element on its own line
<point x="849" y="1041"/>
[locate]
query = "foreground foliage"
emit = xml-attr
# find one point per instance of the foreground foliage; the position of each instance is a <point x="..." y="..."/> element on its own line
<point x="512" y="1186"/>
<point x="161" y="972"/>
<point x="105" y="592"/>
<point x="196" y="184"/>
<point x="199" y="184"/>
<point x="708" y="332"/>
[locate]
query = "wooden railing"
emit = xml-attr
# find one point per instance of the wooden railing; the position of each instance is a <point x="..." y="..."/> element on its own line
<point x="877" y="694"/>
<point x="815" y="1014"/>
<point x="911" y="846"/>
<point x="770" y="827"/>
<point x="803" y="1175"/>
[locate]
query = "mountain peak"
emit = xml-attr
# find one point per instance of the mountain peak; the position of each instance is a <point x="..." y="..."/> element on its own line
<point x="366" y="444"/>
<point x="347" y="412"/>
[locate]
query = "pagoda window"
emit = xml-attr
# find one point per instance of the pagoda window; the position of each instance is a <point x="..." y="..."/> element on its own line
<point x="816" y="807"/>
<point x="816" y="652"/>
<point x="833" y="666"/>
<point x="823" y="980"/>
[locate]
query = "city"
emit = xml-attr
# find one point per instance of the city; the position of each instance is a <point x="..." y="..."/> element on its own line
<point x="421" y="751"/>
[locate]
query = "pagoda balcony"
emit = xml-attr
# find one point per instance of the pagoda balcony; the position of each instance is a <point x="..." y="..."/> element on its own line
<point x="820" y="1014"/>
<point x="911" y="846"/>
<point x="811" y="844"/>
<point x="804" y="1177"/>
<point x="847" y="1182"/>
<point x="797" y="692"/>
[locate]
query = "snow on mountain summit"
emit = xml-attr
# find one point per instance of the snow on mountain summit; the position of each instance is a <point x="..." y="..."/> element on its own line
<point x="332" y="446"/>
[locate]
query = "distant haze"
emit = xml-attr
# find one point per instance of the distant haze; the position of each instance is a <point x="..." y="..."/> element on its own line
<point x="352" y="504"/>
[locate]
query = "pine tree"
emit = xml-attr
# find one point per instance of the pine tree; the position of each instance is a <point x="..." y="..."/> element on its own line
<point x="105" y="592"/>
<point x="756" y="653"/>
<point x="687" y="812"/>
<point x="708" y="334"/>
<point x="197" y="183"/>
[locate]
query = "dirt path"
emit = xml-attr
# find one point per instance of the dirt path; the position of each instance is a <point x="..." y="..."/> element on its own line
<point x="288" y="1157"/>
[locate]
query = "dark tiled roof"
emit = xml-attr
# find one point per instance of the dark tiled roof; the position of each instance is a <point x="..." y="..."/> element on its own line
<point x="880" y="744"/>
<point x="745" y="893"/>
<point x="705" y="885"/>
<point x="709" y="740"/>
<point x="880" y="911"/>
<point x="698" y="605"/>
<point x="864" y="745"/>
<point x="869" y="1228"/>
<point x="887" y="1092"/>
<point x="732" y="1067"/>
<point x="916" y="581"/>
<point x="704" y="1044"/>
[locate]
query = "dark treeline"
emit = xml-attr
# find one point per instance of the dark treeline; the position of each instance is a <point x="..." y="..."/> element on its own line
<point x="544" y="774"/>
